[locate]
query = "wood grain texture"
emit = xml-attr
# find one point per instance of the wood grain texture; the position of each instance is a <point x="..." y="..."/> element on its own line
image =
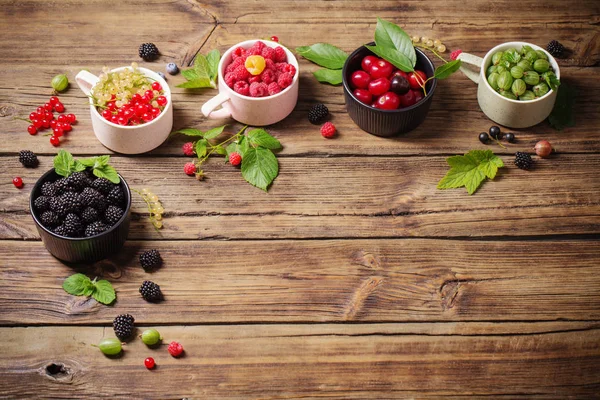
<point x="324" y="361"/>
<point x="315" y="281"/>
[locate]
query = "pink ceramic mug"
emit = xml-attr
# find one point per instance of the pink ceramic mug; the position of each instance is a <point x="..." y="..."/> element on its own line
<point x="255" y="111"/>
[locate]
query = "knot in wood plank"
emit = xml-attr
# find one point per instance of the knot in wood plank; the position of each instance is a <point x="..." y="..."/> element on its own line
<point x="361" y="295"/>
<point x="6" y="111"/>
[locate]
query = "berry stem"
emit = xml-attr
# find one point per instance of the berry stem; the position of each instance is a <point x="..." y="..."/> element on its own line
<point x="499" y="144"/>
<point x="23" y="119"/>
<point x="430" y="49"/>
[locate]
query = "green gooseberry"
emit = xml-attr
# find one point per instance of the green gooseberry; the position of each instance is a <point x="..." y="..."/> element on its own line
<point x="550" y="78"/>
<point x="508" y="94"/>
<point x="60" y="82"/>
<point x="527" y="95"/>
<point x="525" y="49"/>
<point x="531" y="78"/>
<point x="493" y="80"/>
<point x="497" y="57"/>
<point x="151" y="337"/>
<point x="531" y="56"/>
<point x="541" y="65"/>
<point x="540" y="89"/>
<point x="525" y="65"/>
<point x="500" y="69"/>
<point x="507" y="64"/>
<point x="518" y="87"/>
<point x="110" y="346"/>
<point x="505" y="81"/>
<point x="491" y="68"/>
<point x="516" y="72"/>
<point x="542" y="55"/>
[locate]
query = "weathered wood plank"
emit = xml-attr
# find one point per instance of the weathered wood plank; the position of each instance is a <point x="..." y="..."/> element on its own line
<point x="310" y="361"/>
<point x="344" y="197"/>
<point x="315" y="281"/>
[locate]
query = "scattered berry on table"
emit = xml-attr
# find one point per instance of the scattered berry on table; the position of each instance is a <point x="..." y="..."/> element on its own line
<point x="235" y="159"/>
<point x="328" y="130"/>
<point x="495" y="132"/>
<point x="454" y="55"/>
<point x="148" y="51"/>
<point x="543" y="148"/>
<point x="484" y="137"/>
<point x="95" y="228"/>
<point x="32" y="130"/>
<point x="162" y="75"/>
<point x="113" y="214"/>
<point x="18" y="182"/>
<point x="110" y="346"/>
<point x="123" y="326"/>
<point x="189" y="168"/>
<point x="523" y="160"/>
<point x="175" y="349"/>
<point x="318" y="113"/>
<point x="28" y="159"/>
<point x="172" y="68"/>
<point x="54" y="141"/>
<point x="151" y="337"/>
<point x="510" y="137"/>
<point x="555" y="48"/>
<point x="149" y="362"/>
<point x="150" y="259"/>
<point x="188" y="149"/>
<point x="150" y="291"/>
<point x="275" y="39"/>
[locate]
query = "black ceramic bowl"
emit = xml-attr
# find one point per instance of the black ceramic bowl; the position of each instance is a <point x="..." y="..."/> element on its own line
<point x="386" y="122"/>
<point x="86" y="249"/>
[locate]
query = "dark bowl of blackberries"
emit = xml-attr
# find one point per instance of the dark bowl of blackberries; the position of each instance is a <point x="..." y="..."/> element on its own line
<point x="386" y="122"/>
<point x="81" y="218"/>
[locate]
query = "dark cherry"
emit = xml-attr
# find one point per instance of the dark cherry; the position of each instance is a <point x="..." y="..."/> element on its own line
<point x="418" y="95"/>
<point x="399" y="84"/>
<point x="408" y="99"/>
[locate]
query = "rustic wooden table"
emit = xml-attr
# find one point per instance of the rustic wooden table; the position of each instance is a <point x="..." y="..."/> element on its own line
<point x="354" y="277"/>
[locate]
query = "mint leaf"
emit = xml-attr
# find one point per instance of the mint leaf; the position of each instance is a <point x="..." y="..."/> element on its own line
<point x="87" y="162"/>
<point x="79" y="166"/>
<point x="64" y="163"/>
<point x="331" y="76"/>
<point x="259" y="167"/>
<point x="107" y="172"/>
<point x="196" y="84"/>
<point x="260" y="137"/>
<point x="389" y="35"/>
<point x="214" y="132"/>
<point x="470" y="170"/>
<point x="447" y="69"/>
<point x="394" y="56"/>
<point x="104" y="292"/>
<point x="201" y="67"/>
<point x="213" y="58"/>
<point x="324" y="54"/>
<point x="190" y="74"/>
<point x="77" y="284"/>
<point x="562" y="114"/>
<point x="201" y="148"/>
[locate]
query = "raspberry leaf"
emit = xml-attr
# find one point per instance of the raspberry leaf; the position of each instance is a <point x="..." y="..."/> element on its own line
<point x="323" y="54"/>
<point x="104" y="292"/>
<point x="259" y="167"/>
<point x="391" y="36"/>
<point x="260" y="137"/>
<point x="201" y="148"/>
<point x="394" y="56"/>
<point x="213" y="58"/>
<point x="190" y="132"/>
<point x="470" y="170"/>
<point x="203" y="74"/>
<point x="220" y="150"/>
<point x="214" y="132"/>
<point x="447" y="69"/>
<point x="77" y="284"/>
<point x="331" y="76"/>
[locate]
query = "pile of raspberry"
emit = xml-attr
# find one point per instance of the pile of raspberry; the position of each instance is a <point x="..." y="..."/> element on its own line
<point x="277" y="74"/>
<point x="43" y="118"/>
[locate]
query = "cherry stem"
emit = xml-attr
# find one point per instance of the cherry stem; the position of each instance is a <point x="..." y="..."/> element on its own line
<point x="430" y="49"/>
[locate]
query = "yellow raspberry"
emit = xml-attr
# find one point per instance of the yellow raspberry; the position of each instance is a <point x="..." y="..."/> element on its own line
<point x="255" y="64"/>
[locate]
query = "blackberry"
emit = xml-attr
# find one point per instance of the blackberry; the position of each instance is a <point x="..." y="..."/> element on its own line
<point x="112" y="215"/>
<point x="92" y="198"/>
<point x="555" y="48"/>
<point x="60" y="230"/>
<point x="150" y="259"/>
<point x="318" y="113"/>
<point x="523" y="160"/>
<point x="95" y="228"/>
<point x="73" y="226"/>
<point x="62" y="186"/>
<point x="123" y="326"/>
<point x="102" y="185"/>
<point x="78" y="180"/>
<point x="42" y="203"/>
<point x="90" y="215"/>
<point x="148" y="51"/>
<point x="49" y="189"/>
<point x="151" y="291"/>
<point x="70" y="202"/>
<point x="28" y="159"/>
<point x="116" y="196"/>
<point x="49" y="219"/>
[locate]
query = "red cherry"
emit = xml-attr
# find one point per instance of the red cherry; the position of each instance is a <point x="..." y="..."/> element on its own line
<point x="367" y="62"/>
<point x="408" y="99"/>
<point x="72" y="118"/>
<point x="388" y="101"/>
<point x="381" y="69"/>
<point x="415" y="81"/>
<point x="379" y="86"/>
<point x="32" y="130"/>
<point x="275" y="39"/>
<point x="18" y="182"/>
<point x="54" y="141"/>
<point x="149" y="362"/>
<point x="363" y="95"/>
<point x="360" y="79"/>
<point x="418" y="95"/>
<point x="161" y="100"/>
<point x="53" y="100"/>
<point x="156" y="86"/>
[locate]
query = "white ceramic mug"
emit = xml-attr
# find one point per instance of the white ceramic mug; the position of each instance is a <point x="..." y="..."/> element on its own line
<point x="127" y="139"/>
<point x="255" y="111"/>
<point x="504" y="111"/>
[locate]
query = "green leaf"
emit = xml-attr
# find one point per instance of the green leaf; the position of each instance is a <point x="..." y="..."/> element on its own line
<point x="213" y="63"/>
<point x="79" y="166"/>
<point x="220" y="150"/>
<point x="77" y="284"/>
<point x="104" y="292"/>
<point x="562" y="114"/>
<point x="190" y="74"/>
<point x="87" y="162"/>
<point x="196" y="84"/>
<point x="470" y="170"/>
<point x="64" y="163"/>
<point x="89" y="290"/>
<point x="394" y="56"/>
<point x="214" y="132"/>
<point x="107" y="172"/>
<point x="190" y="132"/>
<point x="324" y="54"/>
<point x="201" y="147"/>
<point x="259" y="167"/>
<point x="447" y="69"/>
<point x="512" y="56"/>
<point x="391" y="36"/>
<point x="201" y="66"/>
<point x="243" y="145"/>
<point x="260" y="137"/>
<point x="331" y="76"/>
<point x="231" y="148"/>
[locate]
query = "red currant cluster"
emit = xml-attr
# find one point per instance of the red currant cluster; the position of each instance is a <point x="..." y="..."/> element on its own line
<point x="382" y="86"/>
<point x="43" y="118"/>
<point x="139" y="110"/>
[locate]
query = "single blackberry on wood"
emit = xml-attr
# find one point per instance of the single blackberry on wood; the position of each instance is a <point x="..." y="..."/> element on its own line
<point x="151" y="291"/>
<point x="28" y="159"/>
<point x="148" y="51"/>
<point x="123" y="326"/>
<point x="318" y="113"/>
<point x="555" y="48"/>
<point x="523" y="160"/>
<point x="150" y="259"/>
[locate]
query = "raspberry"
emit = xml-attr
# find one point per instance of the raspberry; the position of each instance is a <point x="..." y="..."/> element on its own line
<point x="280" y="55"/>
<point x="454" y="55"/>
<point x="229" y="79"/>
<point x="258" y="89"/>
<point x="268" y="53"/>
<point x="238" y="52"/>
<point x="256" y="49"/>
<point x="242" y="88"/>
<point x="241" y="73"/>
<point x="267" y="76"/>
<point x="188" y="149"/>
<point x="175" y="349"/>
<point x="328" y="130"/>
<point x="284" y="80"/>
<point x="254" y="78"/>
<point x="235" y="159"/>
<point x="189" y="168"/>
<point x="270" y="64"/>
<point x="289" y="68"/>
<point x="273" y="88"/>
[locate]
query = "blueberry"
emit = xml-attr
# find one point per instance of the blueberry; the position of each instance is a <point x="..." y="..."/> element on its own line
<point x="510" y="137"/>
<point x="172" y="68"/>
<point x="495" y="132"/>
<point x="483" y="137"/>
<point x="162" y="75"/>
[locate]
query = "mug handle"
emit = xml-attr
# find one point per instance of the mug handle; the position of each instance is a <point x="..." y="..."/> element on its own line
<point x="475" y="61"/>
<point x="86" y="81"/>
<point x="208" y="108"/>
